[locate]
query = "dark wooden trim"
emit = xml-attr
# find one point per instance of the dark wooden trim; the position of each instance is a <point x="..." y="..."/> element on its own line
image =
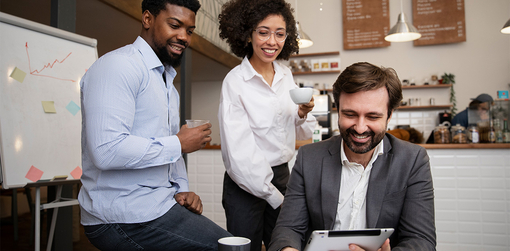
<point x="201" y="45"/>
<point x="313" y="72"/>
<point x="316" y="54"/>
<point x="132" y="8"/>
<point x="467" y="146"/>
<point x="426" y="86"/>
<point x="413" y="107"/>
<point x="426" y="146"/>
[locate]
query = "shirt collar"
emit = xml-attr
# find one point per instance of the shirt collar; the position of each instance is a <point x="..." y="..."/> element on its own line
<point x="379" y="150"/>
<point x="249" y="72"/>
<point x="150" y="58"/>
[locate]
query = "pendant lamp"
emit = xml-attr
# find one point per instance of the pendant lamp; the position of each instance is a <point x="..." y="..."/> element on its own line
<point x="304" y="41"/>
<point x="403" y="31"/>
<point x="506" y="28"/>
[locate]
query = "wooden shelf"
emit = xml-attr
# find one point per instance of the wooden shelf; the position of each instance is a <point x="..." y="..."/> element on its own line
<point x="426" y="86"/>
<point x="414" y="107"/>
<point x="316" y="54"/>
<point x="467" y="146"/>
<point x="313" y="72"/>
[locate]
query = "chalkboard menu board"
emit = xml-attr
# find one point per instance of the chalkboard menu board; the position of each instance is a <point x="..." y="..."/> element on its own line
<point x="439" y="21"/>
<point x="365" y="23"/>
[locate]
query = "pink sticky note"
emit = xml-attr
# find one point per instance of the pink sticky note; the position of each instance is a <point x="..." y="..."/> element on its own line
<point x="76" y="173"/>
<point x="34" y="174"/>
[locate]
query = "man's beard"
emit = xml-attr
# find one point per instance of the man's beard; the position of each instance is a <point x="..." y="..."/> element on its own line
<point x="360" y="148"/>
<point x="168" y="58"/>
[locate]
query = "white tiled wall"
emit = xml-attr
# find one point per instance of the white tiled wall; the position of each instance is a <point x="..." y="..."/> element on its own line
<point x="422" y="120"/>
<point x="472" y="195"/>
<point x="205" y="173"/>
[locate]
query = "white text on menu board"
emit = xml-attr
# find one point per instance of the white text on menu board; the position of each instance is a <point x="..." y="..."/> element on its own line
<point x="356" y="37"/>
<point x="428" y="32"/>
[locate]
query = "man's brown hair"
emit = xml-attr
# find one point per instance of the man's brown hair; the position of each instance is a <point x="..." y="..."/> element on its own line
<point x="364" y="76"/>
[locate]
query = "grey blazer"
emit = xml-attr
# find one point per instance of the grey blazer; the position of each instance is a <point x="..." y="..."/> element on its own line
<point x="400" y="195"/>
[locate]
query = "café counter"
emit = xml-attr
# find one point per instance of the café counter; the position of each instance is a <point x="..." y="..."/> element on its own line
<point x="471" y="192"/>
<point x="467" y="146"/>
<point x="426" y="146"/>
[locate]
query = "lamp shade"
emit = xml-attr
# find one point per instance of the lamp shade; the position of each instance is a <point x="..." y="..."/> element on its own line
<point x="506" y="28"/>
<point x="402" y="31"/>
<point x="304" y="41"/>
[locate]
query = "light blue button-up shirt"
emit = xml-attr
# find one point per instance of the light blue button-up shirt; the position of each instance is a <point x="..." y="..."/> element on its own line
<point x="131" y="156"/>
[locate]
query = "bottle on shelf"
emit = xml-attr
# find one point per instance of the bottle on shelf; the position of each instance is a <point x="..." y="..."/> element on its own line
<point x="499" y="130"/>
<point x="506" y="132"/>
<point x="317" y="133"/>
<point x="492" y="132"/>
<point x="473" y="136"/>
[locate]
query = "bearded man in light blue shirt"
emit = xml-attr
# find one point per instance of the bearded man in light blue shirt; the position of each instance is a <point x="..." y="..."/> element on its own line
<point x="135" y="187"/>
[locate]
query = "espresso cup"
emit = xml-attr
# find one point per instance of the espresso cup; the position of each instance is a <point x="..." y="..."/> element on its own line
<point x="301" y="95"/>
<point x="195" y="122"/>
<point x="234" y="244"/>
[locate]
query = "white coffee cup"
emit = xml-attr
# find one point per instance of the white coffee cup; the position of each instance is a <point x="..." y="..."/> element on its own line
<point x="234" y="244"/>
<point x="301" y="95"/>
<point x="195" y="122"/>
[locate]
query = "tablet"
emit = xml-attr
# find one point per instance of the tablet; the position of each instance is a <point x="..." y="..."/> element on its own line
<point x="329" y="240"/>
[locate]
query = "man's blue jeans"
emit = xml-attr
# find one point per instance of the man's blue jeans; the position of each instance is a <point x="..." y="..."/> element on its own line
<point x="178" y="229"/>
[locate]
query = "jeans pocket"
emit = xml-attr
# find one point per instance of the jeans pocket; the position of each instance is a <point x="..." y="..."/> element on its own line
<point x="96" y="230"/>
<point x="112" y="237"/>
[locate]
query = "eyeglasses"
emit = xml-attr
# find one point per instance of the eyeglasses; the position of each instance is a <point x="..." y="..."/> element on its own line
<point x="264" y="34"/>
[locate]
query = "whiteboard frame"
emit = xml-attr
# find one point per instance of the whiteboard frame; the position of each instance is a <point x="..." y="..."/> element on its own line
<point x="27" y="24"/>
<point x="48" y="30"/>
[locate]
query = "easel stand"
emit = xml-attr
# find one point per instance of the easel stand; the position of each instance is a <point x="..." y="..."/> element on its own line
<point x="58" y="202"/>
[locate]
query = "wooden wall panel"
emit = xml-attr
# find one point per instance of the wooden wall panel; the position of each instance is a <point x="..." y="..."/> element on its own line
<point x="365" y="23"/>
<point x="439" y="21"/>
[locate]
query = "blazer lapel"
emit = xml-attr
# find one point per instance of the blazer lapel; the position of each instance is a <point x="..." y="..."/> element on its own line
<point x="377" y="184"/>
<point x="330" y="184"/>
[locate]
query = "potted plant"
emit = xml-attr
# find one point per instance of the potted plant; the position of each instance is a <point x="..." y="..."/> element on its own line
<point x="450" y="79"/>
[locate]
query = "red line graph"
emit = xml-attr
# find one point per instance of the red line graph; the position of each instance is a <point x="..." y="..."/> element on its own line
<point x="46" y="66"/>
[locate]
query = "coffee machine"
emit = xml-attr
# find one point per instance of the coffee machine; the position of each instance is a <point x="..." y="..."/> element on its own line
<point x="322" y="112"/>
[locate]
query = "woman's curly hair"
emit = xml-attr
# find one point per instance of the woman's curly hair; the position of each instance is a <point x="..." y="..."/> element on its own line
<point x="239" y="18"/>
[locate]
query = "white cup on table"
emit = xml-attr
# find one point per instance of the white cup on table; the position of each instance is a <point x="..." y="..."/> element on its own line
<point x="234" y="244"/>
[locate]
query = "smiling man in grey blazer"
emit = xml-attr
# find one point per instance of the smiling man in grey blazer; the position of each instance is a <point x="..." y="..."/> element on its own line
<point x="364" y="178"/>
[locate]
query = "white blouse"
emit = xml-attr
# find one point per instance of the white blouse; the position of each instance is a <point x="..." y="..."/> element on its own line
<point x="259" y="125"/>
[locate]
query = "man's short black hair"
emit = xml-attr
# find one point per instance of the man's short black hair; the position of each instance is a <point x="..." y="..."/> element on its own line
<point x="155" y="6"/>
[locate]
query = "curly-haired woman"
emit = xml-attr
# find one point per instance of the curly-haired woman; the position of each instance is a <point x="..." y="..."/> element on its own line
<point x="259" y="123"/>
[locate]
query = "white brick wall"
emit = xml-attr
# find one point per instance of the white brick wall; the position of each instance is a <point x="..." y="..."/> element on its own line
<point x="422" y="120"/>
<point x="472" y="195"/>
<point x="472" y="191"/>
<point x="205" y="173"/>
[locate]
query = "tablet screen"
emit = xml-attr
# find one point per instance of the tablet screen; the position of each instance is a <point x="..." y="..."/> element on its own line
<point x="330" y="240"/>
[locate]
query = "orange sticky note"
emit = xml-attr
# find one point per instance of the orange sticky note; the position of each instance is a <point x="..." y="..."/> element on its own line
<point x="76" y="173"/>
<point x="34" y="174"/>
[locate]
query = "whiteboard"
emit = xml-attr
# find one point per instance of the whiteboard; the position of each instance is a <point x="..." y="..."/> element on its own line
<point x="40" y="111"/>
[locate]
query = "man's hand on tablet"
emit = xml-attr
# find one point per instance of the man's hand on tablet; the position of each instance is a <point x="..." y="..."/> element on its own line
<point x="385" y="247"/>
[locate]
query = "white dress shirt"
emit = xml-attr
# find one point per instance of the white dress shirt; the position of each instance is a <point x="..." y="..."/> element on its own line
<point x="259" y="125"/>
<point x="351" y="211"/>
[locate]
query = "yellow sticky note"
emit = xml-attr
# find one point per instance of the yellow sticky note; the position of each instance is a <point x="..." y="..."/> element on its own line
<point x="49" y="106"/>
<point x="18" y="74"/>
